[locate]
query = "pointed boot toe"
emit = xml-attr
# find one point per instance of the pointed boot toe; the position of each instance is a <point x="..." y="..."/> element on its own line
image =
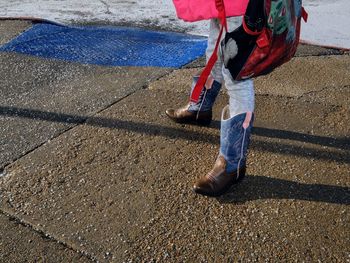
<point x="203" y="187"/>
<point x="170" y="113"/>
<point x="183" y="115"/>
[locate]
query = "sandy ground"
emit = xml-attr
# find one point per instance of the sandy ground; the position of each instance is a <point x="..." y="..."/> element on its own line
<point x="97" y="173"/>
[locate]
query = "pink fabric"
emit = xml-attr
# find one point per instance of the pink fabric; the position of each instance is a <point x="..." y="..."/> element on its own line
<point x="196" y="10"/>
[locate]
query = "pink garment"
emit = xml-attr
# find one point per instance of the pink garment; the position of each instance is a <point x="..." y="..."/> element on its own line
<point x="196" y="10"/>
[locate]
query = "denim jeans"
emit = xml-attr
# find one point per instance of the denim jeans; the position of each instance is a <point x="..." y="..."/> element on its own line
<point x="241" y="93"/>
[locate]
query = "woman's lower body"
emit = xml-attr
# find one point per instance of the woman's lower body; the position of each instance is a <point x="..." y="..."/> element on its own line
<point x="236" y="121"/>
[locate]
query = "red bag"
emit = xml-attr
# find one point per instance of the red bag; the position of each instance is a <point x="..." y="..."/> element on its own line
<point x="268" y="37"/>
<point x="277" y="43"/>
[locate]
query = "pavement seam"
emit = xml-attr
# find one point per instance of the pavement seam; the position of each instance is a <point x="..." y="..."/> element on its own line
<point x="45" y="236"/>
<point x="26" y="224"/>
<point x="82" y="121"/>
<point x="41" y="232"/>
<point x="2" y="169"/>
<point x="302" y="96"/>
<point x="320" y="90"/>
<point x="341" y="53"/>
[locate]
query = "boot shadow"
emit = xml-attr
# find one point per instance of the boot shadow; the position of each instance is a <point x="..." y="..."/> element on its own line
<point x="262" y="187"/>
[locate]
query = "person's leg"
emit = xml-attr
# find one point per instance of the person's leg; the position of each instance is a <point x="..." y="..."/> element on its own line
<point x="214" y="30"/>
<point x="241" y="94"/>
<point x="201" y="112"/>
<point x="236" y="125"/>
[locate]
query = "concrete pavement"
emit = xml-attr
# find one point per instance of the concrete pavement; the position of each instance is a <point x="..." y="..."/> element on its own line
<point x="93" y="171"/>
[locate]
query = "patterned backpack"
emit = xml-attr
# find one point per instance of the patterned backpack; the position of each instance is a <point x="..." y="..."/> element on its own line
<point x="268" y="37"/>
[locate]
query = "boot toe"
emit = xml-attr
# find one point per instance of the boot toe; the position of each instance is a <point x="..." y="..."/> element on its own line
<point x="170" y="113"/>
<point x="208" y="191"/>
<point x="183" y="115"/>
<point x="205" y="191"/>
<point x="203" y="187"/>
<point x="200" y="190"/>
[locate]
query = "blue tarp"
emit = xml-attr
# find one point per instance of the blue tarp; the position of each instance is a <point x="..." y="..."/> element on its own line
<point x="109" y="46"/>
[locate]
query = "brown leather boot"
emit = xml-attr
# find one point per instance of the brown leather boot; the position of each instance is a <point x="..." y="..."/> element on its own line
<point x="183" y="115"/>
<point x="218" y="181"/>
<point x="199" y="113"/>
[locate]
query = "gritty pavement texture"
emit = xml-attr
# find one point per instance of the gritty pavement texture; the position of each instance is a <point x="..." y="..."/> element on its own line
<point x="9" y="29"/>
<point x="42" y="98"/>
<point x="18" y="243"/>
<point x="116" y="187"/>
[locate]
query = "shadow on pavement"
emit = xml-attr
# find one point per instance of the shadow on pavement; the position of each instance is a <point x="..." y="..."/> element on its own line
<point x="262" y="187"/>
<point x="171" y="132"/>
<point x="339" y="143"/>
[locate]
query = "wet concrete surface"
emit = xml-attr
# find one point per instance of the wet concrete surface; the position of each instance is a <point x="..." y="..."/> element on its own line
<point x="117" y="187"/>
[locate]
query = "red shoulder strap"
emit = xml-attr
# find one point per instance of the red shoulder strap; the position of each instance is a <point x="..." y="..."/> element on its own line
<point x="304" y="14"/>
<point x="211" y="62"/>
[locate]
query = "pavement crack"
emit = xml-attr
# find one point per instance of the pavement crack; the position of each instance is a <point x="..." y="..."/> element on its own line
<point x="46" y="236"/>
<point x="5" y="165"/>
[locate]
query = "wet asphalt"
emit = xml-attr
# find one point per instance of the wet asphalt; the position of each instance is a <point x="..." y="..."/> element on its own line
<point x="93" y="171"/>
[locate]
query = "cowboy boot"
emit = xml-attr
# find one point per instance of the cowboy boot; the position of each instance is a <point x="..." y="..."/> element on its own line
<point x="230" y="165"/>
<point x="199" y="113"/>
